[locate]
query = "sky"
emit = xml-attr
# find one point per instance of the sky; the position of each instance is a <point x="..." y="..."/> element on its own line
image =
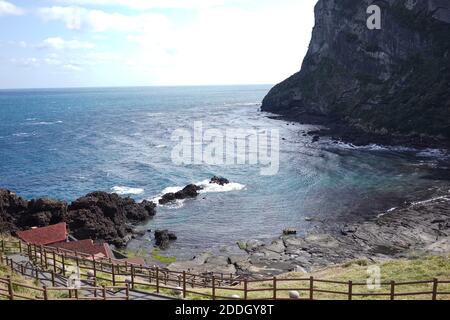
<point x="102" y="43"/>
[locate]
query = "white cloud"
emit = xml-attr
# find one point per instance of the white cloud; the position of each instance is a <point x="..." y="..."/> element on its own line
<point x="228" y="45"/>
<point x="60" y="44"/>
<point x="260" y="42"/>
<point x="72" y="67"/>
<point x="147" y="4"/>
<point x="26" y="62"/>
<point x="78" y="18"/>
<point x="7" y="8"/>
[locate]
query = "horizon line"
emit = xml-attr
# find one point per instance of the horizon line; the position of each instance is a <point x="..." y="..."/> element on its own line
<point x="137" y="86"/>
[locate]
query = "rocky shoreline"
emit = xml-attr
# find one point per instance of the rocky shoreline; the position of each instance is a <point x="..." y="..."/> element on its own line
<point x="339" y="130"/>
<point x="414" y="229"/>
<point x="96" y="216"/>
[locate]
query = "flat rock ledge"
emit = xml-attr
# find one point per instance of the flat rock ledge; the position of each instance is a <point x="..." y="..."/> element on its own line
<point x="417" y="228"/>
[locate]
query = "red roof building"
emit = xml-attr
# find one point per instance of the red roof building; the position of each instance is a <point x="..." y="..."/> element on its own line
<point x="46" y="235"/>
<point x="87" y="247"/>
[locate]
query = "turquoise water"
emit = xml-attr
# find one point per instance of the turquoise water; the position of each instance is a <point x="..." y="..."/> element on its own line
<point x="68" y="142"/>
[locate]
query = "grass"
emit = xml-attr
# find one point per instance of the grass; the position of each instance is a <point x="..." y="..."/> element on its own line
<point x="419" y="269"/>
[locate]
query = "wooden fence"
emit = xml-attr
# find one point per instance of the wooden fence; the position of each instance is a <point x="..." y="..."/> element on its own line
<point x="212" y="286"/>
<point x="11" y="290"/>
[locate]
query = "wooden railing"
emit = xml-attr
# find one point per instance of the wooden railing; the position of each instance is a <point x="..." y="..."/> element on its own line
<point x="212" y="286"/>
<point x="11" y="290"/>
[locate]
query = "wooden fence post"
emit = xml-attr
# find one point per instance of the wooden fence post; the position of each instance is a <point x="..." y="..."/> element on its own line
<point x="350" y="290"/>
<point x="104" y="292"/>
<point x="127" y="291"/>
<point x="311" y="288"/>
<point x="77" y="260"/>
<point x="132" y="276"/>
<point x="113" y="275"/>
<point x="213" y="288"/>
<point x="157" y="279"/>
<point x="30" y="254"/>
<point x="54" y="262"/>
<point x="53" y="278"/>
<point x="274" y="288"/>
<point x="10" y="288"/>
<point x="41" y="257"/>
<point x="3" y="245"/>
<point x="20" y="246"/>
<point x="392" y="290"/>
<point x="63" y="261"/>
<point x="94" y="266"/>
<point x="45" y="293"/>
<point x="45" y="259"/>
<point x="245" y="289"/>
<point x="184" y="284"/>
<point x="435" y="285"/>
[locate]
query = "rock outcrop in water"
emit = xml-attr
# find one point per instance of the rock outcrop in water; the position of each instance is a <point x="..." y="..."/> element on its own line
<point x="388" y="86"/>
<point x="190" y="191"/>
<point x="163" y="238"/>
<point x="98" y="215"/>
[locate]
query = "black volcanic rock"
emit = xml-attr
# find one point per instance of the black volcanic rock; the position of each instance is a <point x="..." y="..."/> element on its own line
<point x="388" y="86"/>
<point x="97" y="216"/>
<point x="105" y="216"/>
<point x="190" y="191"/>
<point x="163" y="238"/>
<point x="11" y="208"/>
<point x="219" y="180"/>
<point x="43" y="212"/>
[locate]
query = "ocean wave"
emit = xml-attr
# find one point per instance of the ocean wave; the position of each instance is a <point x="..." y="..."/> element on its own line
<point x="426" y="153"/>
<point x="446" y="198"/>
<point x="215" y="188"/>
<point x="433" y="153"/>
<point x="387" y="212"/>
<point x="121" y="190"/>
<point x="23" y="134"/>
<point x="374" y="147"/>
<point x="246" y="104"/>
<point x="207" y="188"/>
<point x="44" y="123"/>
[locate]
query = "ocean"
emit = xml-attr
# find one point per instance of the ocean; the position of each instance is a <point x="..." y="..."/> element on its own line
<point x="65" y="143"/>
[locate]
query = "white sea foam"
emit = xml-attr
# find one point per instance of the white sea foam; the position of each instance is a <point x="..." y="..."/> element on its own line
<point x="44" y="123"/>
<point x="446" y="198"/>
<point x="214" y="187"/>
<point x="242" y="104"/>
<point x="207" y="188"/>
<point x="166" y="190"/>
<point x="126" y="190"/>
<point x="426" y="153"/>
<point x="433" y="153"/>
<point x="387" y="212"/>
<point x="23" y="134"/>
<point x="374" y="147"/>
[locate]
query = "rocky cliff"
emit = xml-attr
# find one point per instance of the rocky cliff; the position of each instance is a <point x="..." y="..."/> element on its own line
<point x="387" y="84"/>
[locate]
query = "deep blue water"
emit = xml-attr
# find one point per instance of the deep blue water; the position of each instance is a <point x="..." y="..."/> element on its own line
<point x="65" y="143"/>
